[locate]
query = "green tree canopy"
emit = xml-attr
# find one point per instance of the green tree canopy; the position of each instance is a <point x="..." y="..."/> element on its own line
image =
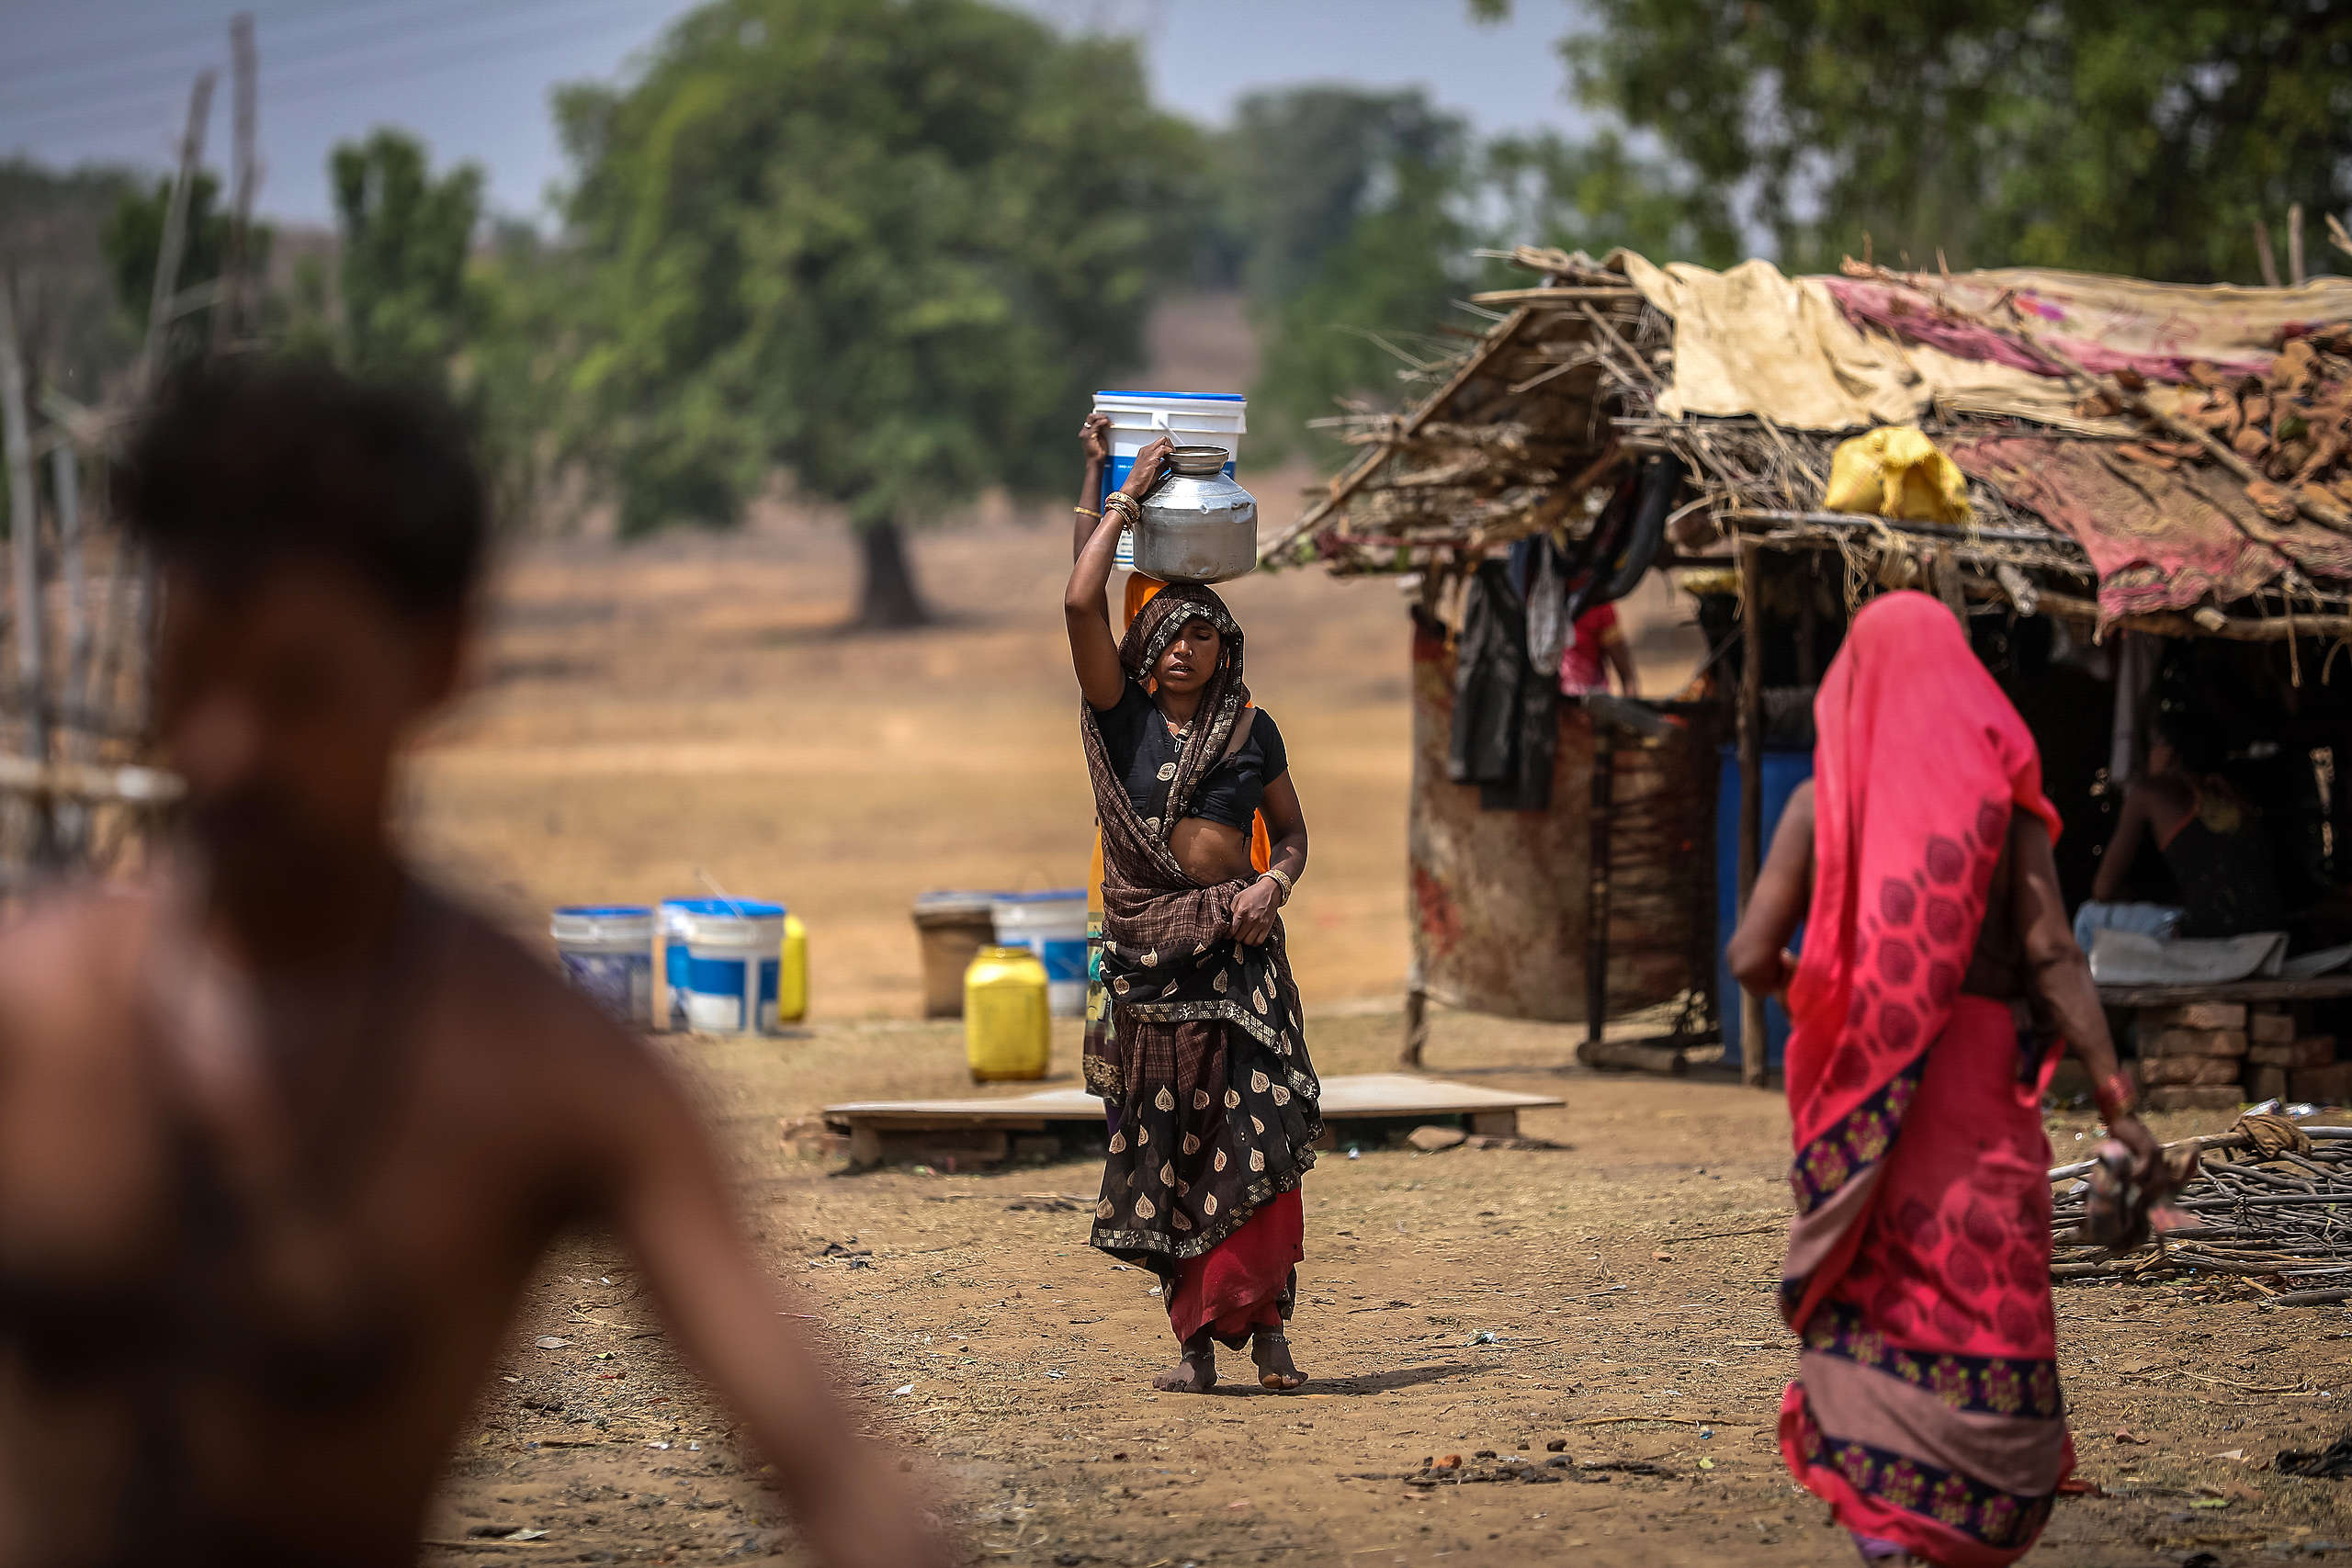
<point x="1348" y="212"/>
<point x="891" y="245"/>
<point x="406" y="236"/>
<point x="1356" y="217"/>
<point x="2148" y="140"/>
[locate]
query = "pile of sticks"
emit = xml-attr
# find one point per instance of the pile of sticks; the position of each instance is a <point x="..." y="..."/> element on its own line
<point x="2283" y="1217"/>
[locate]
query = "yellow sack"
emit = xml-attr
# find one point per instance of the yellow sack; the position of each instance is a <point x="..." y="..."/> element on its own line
<point x="1895" y="471"/>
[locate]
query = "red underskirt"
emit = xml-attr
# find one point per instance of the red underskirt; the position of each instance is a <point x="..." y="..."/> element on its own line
<point x="1236" y="1288"/>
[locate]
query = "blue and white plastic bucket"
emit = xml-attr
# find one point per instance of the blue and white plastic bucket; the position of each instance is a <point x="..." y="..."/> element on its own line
<point x="1053" y="926"/>
<point x="722" y="964"/>
<point x="1188" y="419"/>
<point x="606" y="952"/>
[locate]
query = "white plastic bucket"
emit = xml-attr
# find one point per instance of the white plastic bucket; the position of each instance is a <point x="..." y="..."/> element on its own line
<point x="733" y="948"/>
<point x="1053" y="926"/>
<point x="606" y="952"/>
<point x="674" y="956"/>
<point x="1188" y="419"/>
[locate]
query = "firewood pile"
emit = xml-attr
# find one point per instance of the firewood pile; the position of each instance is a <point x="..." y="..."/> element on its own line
<point x="2271" y="1204"/>
<point x="2291" y="424"/>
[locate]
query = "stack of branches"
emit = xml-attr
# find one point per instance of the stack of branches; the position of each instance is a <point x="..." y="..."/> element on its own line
<point x="1515" y="438"/>
<point x="2292" y="425"/>
<point x="2256" y="1210"/>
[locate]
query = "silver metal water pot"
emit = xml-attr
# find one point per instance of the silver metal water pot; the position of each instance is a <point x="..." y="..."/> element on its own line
<point x="1198" y="525"/>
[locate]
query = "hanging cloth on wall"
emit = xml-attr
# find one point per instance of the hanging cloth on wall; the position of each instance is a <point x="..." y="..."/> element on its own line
<point x="1506" y="702"/>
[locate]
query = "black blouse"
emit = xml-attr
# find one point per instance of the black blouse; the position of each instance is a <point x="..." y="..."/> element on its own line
<point x="1145" y="755"/>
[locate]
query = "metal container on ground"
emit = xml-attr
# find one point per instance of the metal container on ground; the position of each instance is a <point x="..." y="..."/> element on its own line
<point x="1008" y="1027"/>
<point x="1053" y="926"/>
<point x="1198" y="525"/>
<point x="1188" y="419"/>
<point x="950" y="930"/>
<point x="606" y="952"/>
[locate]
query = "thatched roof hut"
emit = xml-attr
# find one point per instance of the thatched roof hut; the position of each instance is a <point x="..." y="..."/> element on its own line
<point x="2137" y="458"/>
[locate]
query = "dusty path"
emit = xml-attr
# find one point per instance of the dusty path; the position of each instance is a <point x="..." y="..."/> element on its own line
<point x="1014" y="1364"/>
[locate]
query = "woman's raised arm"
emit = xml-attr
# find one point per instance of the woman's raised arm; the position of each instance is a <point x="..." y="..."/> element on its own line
<point x="1086" y="610"/>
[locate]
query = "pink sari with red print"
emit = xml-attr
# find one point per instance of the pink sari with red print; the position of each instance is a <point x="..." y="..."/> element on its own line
<point x="1926" y="1410"/>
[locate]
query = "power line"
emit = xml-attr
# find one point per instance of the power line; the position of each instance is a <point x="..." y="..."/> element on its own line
<point x="371" y="67"/>
<point x="333" y="44"/>
<point x="149" y="42"/>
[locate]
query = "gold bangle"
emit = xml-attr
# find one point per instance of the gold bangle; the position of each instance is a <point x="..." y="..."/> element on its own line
<point x="1088" y="511"/>
<point x="1283" y="879"/>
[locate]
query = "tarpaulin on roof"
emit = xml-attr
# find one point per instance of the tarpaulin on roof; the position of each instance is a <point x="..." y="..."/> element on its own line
<point x="2104" y="323"/>
<point x="1755" y="340"/>
<point x="2159" y="538"/>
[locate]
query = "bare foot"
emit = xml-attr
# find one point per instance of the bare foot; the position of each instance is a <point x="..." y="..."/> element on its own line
<point x="1196" y="1373"/>
<point x="1272" y="1352"/>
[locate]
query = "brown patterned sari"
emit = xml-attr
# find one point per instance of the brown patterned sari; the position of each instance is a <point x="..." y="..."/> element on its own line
<point x="1201" y="1049"/>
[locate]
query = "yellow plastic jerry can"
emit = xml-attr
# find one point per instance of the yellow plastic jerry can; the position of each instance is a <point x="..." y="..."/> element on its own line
<point x="1008" y="1027"/>
<point x="792" y="973"/>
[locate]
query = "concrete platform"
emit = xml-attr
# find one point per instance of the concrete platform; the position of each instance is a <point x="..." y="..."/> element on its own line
<point x="985" y="1130"/>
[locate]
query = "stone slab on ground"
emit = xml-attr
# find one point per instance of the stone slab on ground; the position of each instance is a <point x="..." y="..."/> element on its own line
<point x="2180" y="1042"/>
<point x="2310" y="1051"/>
<point x="2270" y="1026"/>
<point x="2195" y="1097"/>
<point x="2189" y="1070"/>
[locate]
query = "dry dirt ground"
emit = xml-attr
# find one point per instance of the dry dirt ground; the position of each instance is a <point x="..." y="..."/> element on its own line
<point x="647" y="712"/>
<point x="1614" y="1292"/>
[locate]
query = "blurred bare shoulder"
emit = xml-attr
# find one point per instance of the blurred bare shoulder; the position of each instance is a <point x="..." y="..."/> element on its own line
<point x="579" y="1072"/>
<point x="69" y="961"/>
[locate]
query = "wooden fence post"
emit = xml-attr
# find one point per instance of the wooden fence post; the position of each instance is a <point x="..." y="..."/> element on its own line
<point x="162" y="299"/>
<point x="1753" y="1046"/>
<point x="24" y="539"/>
<point x="228" y="314"/>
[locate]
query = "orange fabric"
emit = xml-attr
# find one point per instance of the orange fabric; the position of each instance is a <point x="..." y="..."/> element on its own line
<point x="1140" y="592"/>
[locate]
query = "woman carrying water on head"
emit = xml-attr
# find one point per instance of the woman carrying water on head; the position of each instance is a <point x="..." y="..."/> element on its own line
<point x="1939" y="972"/>
<point x="1200" y="1053"/>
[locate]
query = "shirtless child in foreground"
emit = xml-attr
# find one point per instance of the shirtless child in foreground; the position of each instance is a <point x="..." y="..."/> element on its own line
<point x="283" y="1132"/>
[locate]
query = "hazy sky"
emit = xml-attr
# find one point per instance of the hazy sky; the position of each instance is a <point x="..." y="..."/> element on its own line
<point x="108" y="79"/>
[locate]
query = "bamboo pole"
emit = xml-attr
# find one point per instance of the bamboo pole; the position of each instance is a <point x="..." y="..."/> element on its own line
<point x="229" y="317"/>
<point x="65" y="479"/>
<point x="160" y="299"/>
<point x="2295" y="244"/>
<point x="1597" y="892"/>
<point x="2262" y="255"/>
<point x="24" y="531"/>
<point x="1753" y="1044"/>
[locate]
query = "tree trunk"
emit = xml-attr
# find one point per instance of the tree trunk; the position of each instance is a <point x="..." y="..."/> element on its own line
<point x="887" y="599"/>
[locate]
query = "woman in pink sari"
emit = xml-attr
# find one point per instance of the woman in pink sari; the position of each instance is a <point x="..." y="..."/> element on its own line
<point x="1940" y="972"/>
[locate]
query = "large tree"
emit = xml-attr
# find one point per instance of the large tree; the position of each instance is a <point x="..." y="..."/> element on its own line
<point x="889" y="246"/>
<point x="2145" y="139"/>
<point x="1354" y="219"/>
